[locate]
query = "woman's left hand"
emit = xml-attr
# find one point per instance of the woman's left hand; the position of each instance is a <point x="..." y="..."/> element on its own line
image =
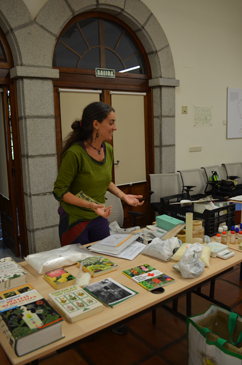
<point x="133" y="199"/>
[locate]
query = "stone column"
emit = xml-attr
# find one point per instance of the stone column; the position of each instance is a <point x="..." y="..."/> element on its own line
<point x="38" y="150"/>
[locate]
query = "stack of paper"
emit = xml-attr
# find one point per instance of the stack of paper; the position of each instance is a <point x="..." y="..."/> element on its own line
<point x="114" y="244"/>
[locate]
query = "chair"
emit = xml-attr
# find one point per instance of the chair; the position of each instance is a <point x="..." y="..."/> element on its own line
<point x="193" y="181"/>
<point x="117" y="213"/>
<point x="163" y="185"/>
<point x="233" y="171"/>
<point x="216" y="192"/>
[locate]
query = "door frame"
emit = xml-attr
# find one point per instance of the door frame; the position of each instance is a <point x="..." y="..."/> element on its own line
<point x="16" y="194"/>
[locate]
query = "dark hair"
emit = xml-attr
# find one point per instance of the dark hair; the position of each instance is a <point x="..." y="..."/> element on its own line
<point x="82" y="129"/>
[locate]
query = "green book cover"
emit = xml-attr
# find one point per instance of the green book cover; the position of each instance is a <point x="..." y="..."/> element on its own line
<point x="97" y="265"/>
<point x="33" y="318"/>
<point x="138" y="270"/>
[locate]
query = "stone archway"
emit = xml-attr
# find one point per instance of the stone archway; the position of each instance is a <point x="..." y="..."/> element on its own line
<point x="32" y="43"/>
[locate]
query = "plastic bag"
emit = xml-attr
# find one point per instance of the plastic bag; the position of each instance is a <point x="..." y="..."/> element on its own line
<point x="59" y="257"/>
<point x="190" y="265"/>
<point x="161" y="249"/>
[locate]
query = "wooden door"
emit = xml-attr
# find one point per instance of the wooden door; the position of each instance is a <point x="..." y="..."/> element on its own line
<point x="9" y="212"/>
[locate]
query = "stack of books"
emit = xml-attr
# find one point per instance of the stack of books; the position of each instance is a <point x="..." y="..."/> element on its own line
<point x="11" y="274"/>
<point x="28" y="320"/>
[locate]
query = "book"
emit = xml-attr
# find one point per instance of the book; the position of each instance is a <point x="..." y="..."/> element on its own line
<point x="110" y="292"/>
<point x="29" y="323"/>
<point x="114" y="243"/>
<point x="74" y="303"/>
<point x="11" y="274"/>
<point x="148" y="277"/>
<point x="9" y="293"/>
<point x="59" y="278"/>
<point x="97" y="265"/>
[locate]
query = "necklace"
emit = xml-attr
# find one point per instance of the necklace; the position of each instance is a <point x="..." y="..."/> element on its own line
<point x="99" y="151"/>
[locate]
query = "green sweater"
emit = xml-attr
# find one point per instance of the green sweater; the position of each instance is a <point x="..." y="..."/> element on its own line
<point x="81" y="175"/>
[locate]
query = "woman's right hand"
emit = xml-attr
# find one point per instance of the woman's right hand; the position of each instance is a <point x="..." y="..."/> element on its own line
<point x="101" y="210"/>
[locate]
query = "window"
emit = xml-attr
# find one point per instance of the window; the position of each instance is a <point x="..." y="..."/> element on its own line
<point x="97" y="42"/>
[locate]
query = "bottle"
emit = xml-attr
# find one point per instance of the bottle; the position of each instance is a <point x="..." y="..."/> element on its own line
<point x="236" y="232"/>
<point x="220" y="230"/>
<point x="232" y="238"/>
<point x="225" y="228"/>
<point x="218" y="237"/>
<point x="239" y="240"/>
<point x="232" y="228"/>
<point x="240" y="226"/>
<point x="223" y="238"/>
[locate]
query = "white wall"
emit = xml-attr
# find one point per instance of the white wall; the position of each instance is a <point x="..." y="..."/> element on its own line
<point x="205" y="40"/>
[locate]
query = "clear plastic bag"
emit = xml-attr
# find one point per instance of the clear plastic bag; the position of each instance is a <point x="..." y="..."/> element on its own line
<point x="161" y="249"/>
<point x="190" y="265"/>
<point x="59" y="257"/>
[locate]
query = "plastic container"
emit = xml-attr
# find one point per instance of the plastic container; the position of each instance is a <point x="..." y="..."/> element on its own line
<point x="236" y="232"/>
<point x="232" y="237"/>
<point x="218" y="237"/>
<point x="225" y="228"/>
<point x="211" y="219"/>
<point x="239" y="240"/>
<point x="224" y="237"/>
<point x="220" y="230"/>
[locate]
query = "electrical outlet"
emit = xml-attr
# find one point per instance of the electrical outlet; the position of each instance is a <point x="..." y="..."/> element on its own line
<point x="195" y="149"/>
<point x="184" y="110"/>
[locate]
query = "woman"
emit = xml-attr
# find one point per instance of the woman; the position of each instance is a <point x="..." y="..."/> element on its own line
<point x="85" y="176"/>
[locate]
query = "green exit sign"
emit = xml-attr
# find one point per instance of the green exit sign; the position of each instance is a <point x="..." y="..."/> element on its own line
<point x="105" y="72"/>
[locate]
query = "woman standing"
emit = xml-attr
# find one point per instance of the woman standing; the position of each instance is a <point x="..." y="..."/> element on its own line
<point x="85" y="175"/>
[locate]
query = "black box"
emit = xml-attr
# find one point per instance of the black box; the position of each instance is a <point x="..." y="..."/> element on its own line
<point x="211" y="218"/>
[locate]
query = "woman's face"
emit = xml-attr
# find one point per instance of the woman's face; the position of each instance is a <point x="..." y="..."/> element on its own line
<point x="107" y="127"/>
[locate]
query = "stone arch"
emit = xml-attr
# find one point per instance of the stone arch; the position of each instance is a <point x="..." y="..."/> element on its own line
<point x="32" y="42"/>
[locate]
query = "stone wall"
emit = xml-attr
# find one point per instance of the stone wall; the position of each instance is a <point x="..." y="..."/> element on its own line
<point x="32" y="43"/>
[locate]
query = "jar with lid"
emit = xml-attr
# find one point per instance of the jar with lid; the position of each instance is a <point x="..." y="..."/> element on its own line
<point x="218" y="237"/>
<point x="224" y="238"/>
<point x="232" y="237"/>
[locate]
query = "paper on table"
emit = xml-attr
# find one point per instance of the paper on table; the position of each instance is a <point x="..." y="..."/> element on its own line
<point x="238" y="197"/>
<point x="115" y="228"/>
<point x="130" y="252"/>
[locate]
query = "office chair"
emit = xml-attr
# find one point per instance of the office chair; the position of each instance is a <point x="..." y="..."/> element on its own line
<point x="233" y="171"/>
<point x="117" y="213"/>
<point x="163" y="185"/>
<point x="193" y="183"/>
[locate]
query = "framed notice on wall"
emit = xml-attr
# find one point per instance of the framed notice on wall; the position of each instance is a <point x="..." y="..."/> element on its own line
<point x="234" y="117"/>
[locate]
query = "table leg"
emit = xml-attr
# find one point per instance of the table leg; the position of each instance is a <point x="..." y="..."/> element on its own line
<point x="189" y="304"/>
<point x="154" y="316"/>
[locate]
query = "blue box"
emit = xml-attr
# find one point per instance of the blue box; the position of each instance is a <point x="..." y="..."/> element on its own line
<point x="166" y="222"/>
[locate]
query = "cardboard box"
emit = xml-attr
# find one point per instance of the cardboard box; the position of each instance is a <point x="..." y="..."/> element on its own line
<point x="166" y="222"/>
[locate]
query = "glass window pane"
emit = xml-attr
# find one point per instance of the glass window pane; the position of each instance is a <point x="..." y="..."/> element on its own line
<point x="136" y="61"/>
<point x="83" y="38"/>
<point x="112" y="33"/>
<point x="64" y="57"/>
<point x="2" y="54"/>
<point x="126" y="47"/>
<point x="90" y="60"/>
<point x="73" y="39"/>
<point x="112" y="61"/>
<point x="90" y="30"/>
